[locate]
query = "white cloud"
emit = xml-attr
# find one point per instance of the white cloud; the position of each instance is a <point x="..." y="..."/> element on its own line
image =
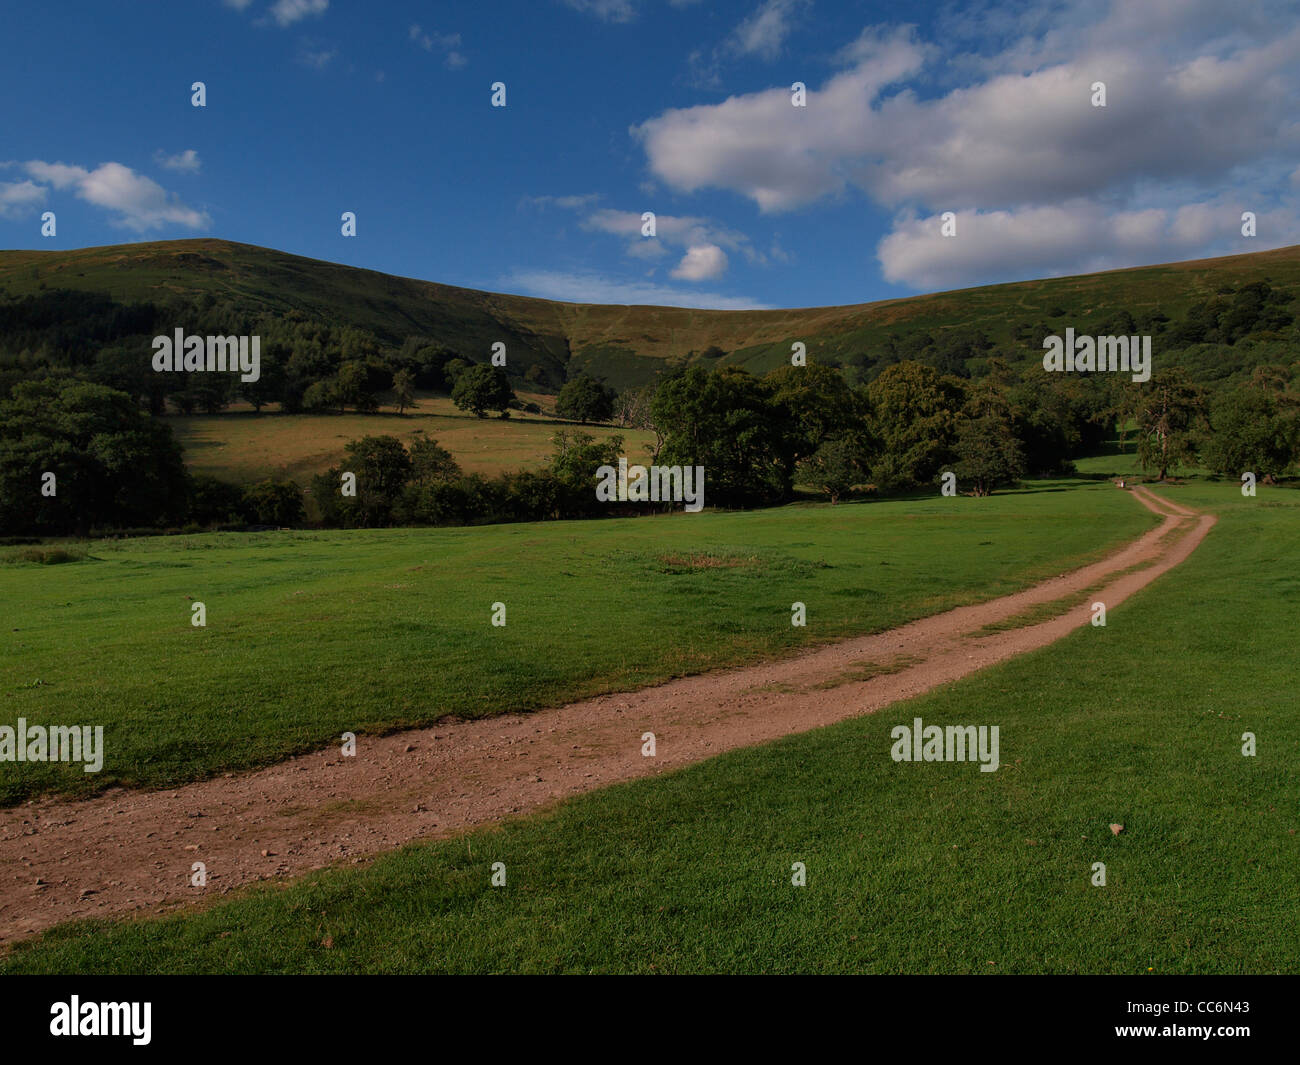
<point x="763" y="147"/>
<point x="17" y="198"/>
<point x="675" y="230"/>
<point x="702" y="262"/>
<point x="650" y="248"/>
<point x="317" y="58"/>
<point x="671" y="231"/>
<point x="186" y="162"/>
<point x="238" y="5"/>
<point x="137" y="202"/>
<point x="1199" y="98"/>
<point x="571" y="203"/>
<point x="59" y="175"/>
<point x="287" y="12"/>
<point x="763" y="32"/>
<point x="1070" y="238"/>
<point x="590" y="288"/>
<point x="447" y="43"/>
<point x="1199" y="117"/>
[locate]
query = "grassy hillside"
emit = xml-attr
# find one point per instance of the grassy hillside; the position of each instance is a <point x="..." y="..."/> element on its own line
<point x="625" y="344"/>
<point x="911" y="867"/>
<point x="310" y="634"/>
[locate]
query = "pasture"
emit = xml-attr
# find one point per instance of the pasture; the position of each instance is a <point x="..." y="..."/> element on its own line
<point x="911" y="867"/>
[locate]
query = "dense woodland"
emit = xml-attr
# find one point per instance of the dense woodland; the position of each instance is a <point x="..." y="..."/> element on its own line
<point x="78" y="398"/>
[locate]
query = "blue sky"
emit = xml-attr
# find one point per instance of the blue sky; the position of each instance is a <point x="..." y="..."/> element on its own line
<point x="680" y="107"/>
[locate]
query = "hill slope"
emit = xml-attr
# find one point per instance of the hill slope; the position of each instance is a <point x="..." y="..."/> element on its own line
<point x="624" y="344"/>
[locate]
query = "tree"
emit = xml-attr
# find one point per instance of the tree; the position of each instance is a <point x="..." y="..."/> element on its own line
<point x="632" y="408"/>
<point x="823" y="405"/>
<point x="382" y="468"/>
<point x="729" y="422"/>
<point x="352" y="388"/>
<point x="113" y="465"/>
<point x="533" y="495"/>
<point x="575" y="458"/>
<point x="185" y="400"/>
<point x="914" y="416"/>
<point x="273" y="503"/>
<point x="1059" y="416"/>
<point x="482" y="388"/>
<point x="320" y="395"/>
<point x="293" y="395"/>
<point x="1254" y="429"/>
<point x="404" y="390"/>
<point x="838" y="465"/>
<point x="452" y="369"/>
<point x="269" y="385"/>
<point x="430" y="462"/>
<point x="1169" y="411"/>
<point x="584" y="399"/>
<point x="213" y="501"/>
<point x="987" y="452"/>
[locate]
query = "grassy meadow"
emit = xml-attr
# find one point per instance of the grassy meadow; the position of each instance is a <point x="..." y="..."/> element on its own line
<point x="244" y="447"/>
<point x="911" y="867"/>
<point x="310" y="634"/>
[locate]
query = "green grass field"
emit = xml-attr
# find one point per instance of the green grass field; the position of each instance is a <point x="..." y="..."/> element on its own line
<point x="310" y="634"/>
<point x="926" y="867"/>
<point x="244" y="447"/>
<point x="1123" y="462"/>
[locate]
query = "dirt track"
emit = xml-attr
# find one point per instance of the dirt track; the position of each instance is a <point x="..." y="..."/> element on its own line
<point x="132" y="851"/>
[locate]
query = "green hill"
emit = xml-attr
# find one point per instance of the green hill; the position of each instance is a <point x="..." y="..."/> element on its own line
<point x="627" y="344"/>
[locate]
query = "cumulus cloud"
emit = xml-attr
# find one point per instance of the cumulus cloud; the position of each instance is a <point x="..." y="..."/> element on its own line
<point x="704" y="259"/>
<point x="676" y="229"/>
<point x="1075" y="237"/>
<point x="702" y="262"/>
<point x="186" y="162"/>
<point x="781" y="156"/>
<point x="135" y="201"/>
<point x="650" y="248"/>
<point x="700" y="241"/>
<point x="1199" y="97"/>
<point x="17" y="198"/>
<point x="591" y="288"/>
<point x="59" y="175"/>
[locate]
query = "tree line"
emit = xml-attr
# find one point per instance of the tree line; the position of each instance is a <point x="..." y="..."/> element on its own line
<point x="115" y="467"/>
